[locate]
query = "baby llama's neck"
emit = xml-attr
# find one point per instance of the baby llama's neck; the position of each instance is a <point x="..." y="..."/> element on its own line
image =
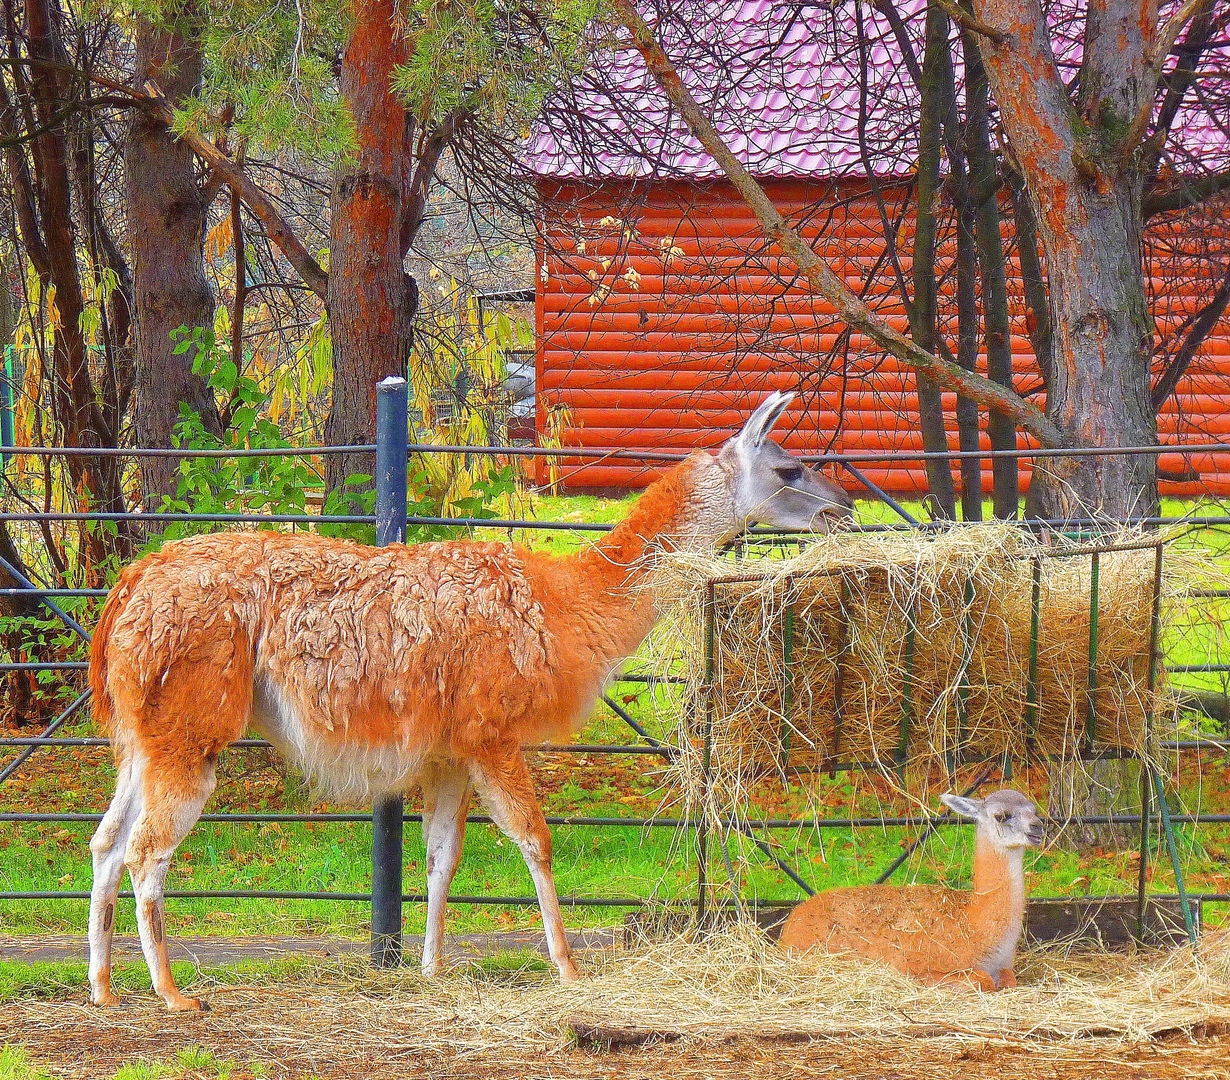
<point x="997" y="904"/>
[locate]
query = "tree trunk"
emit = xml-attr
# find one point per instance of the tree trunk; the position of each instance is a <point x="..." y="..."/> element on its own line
<point x="78" y="408"/>
<point x="18" y="695"/>
<point x="1033" y="277"/>
<point x="967" y="339"/>
<point x="166" y="227"/>
<point x="984" y="189"/>
<point x="1103" y="343"/>
<point x="371" y="299"/>
<point x="935" y="87"/>
<point x="1086" y="190"/>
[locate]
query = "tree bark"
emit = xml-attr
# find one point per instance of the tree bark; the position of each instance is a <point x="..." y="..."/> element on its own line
<point x="18" y="686"/>
<point x="78" y="408"/>
<point x="1033" y="277"/>
<point x="935" y="82"/>
<point x="1087" y="199"/>
<point x="967" y="337"/>
<point x="1085" y="174"/>
<point x="166" y="228"/>
<point x="371" y="300"/>
<point x="997" y="330"/>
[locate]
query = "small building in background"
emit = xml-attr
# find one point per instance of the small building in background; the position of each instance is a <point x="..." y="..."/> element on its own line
<point x="663" y="315"/>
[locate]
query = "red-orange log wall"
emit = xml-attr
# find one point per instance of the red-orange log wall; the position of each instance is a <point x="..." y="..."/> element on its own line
<point x="663" y="317"/>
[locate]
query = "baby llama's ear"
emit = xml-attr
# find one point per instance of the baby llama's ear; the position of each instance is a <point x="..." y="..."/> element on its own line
<point x="969" y="808"/>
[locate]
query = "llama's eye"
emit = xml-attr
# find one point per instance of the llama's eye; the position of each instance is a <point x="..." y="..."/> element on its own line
<point x="1001" y="818"/>
<point x="791" y="473"/>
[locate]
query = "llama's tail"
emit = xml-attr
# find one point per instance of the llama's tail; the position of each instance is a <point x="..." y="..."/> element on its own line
<point x="104" y="706"/>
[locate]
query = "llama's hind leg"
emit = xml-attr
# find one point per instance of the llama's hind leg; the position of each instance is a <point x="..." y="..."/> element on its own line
<point x="107" y="848"/>
<point x="172" y="802"/>
<point x="446" y="799"/>
<point x="504" y="784"/>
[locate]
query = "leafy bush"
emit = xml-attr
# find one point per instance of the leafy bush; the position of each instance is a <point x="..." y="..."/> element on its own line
<point x="276" y="484"/>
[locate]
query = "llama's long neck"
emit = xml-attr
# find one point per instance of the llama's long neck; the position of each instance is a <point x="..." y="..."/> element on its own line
<point x="688" y="509"/>
<point x="997" y="904"/>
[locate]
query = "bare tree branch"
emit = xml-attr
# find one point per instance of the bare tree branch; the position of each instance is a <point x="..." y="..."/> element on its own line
<point x="819" y="274"/>
<point x="1201" y="326"/>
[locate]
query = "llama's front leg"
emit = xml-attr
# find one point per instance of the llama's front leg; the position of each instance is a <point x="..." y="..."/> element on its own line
<point x="504" y="784"/>
<point x="446" y="799"/>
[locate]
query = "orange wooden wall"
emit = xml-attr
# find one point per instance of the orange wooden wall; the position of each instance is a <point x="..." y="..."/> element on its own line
<point x="663" y="316"/>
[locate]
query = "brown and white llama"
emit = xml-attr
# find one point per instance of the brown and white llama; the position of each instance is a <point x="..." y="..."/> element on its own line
<point x="928" y="931"/>
<point x="378" y="669"/>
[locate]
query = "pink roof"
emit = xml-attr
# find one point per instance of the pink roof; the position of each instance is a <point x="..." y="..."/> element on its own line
<point x="782" y="82"/>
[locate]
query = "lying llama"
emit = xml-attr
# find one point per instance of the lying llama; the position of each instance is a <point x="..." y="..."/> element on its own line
<point x="928" y="931"/>
<point x="376" y="669"/>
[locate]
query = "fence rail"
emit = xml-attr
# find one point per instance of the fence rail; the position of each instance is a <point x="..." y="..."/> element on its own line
<point x="391" y="450"/>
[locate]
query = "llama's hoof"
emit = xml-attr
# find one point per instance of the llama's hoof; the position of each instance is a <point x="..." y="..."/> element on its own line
<point x="570" y="974"/>
<point x="104" y="999"/>
<point x="1007" y="979"/>
<point x="179" y="1003"/>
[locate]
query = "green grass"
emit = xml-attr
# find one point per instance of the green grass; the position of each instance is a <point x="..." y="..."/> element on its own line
<point x="192" y="1061"/>
<point x="15" y="1064"/>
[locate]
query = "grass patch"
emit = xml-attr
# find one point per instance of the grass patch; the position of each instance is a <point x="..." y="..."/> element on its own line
<point x="67" y="978"/>
<point x="15" y="1064"/>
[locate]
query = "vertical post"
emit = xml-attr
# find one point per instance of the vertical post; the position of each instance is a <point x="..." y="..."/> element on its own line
<point x="1091" y="699"/>
<point x="387" y="814"/>
<point x="1142" y="876"/>
<point x="967" y="658"/>
<point x="702" y="825"/>
<point x="1172" y="848"/>
<point x="6" y="398"/>
<point x="1031" y="689"/>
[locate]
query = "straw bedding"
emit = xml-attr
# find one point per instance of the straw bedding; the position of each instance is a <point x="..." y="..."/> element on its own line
<point x="925" y="642"/>
<point x="729" y="984"/>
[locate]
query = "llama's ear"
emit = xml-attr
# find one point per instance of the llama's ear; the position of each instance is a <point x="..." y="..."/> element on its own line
<point x="761" y="422"/>
<point x="961" y="805"/>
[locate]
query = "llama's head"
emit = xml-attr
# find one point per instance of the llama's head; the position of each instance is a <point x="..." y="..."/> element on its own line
<point x="770" y="487"/>
<point x="1006" y="817"/>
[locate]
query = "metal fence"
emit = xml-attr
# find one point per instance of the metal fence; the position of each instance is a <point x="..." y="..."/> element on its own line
<point x="388" y="819"/>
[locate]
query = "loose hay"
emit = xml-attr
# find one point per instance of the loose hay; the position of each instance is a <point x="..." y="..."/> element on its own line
<point x="731" y="984"/>
<point x="925" y="642"/>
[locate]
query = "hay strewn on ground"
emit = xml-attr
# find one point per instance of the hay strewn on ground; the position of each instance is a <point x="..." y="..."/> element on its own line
<point x="941" y="623"/>
<point x="727" y="985"/>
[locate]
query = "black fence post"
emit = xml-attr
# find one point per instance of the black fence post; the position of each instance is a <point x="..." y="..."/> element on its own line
<point x="387" y="814"/>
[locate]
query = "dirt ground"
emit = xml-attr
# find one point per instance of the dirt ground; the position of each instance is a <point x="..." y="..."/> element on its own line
<point x="92" y="1051"/>
<point x="72" y="1041"/>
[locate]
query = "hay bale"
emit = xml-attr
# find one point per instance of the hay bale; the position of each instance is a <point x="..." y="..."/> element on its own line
<point x="908" y="649"/>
